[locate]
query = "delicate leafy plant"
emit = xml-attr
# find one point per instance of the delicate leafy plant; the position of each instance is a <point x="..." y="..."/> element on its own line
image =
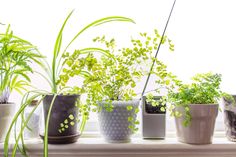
<point x="16" y="54"/>
<point x="114" y="75"/>
<point x="57" y="81"/>
<point x="205" y="89"/>
<point x="165" y="82"/>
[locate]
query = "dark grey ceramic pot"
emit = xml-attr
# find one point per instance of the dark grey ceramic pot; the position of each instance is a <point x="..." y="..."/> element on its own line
<point x="62" y="129"/>
<point x="230" y="118"/>
<point x="201" y="128"/>
<point x="114" y="126"/>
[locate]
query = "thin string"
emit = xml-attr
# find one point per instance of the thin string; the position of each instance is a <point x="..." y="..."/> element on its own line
<point x="162" y="37"/>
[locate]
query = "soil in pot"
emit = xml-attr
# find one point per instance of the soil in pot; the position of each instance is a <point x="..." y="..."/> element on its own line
<point x="6" y="115"/>
<point x="201" y="128"/>
<point x="230" y="118"/>
<point x="62" y="127"/>
<point x="114" y="126"/>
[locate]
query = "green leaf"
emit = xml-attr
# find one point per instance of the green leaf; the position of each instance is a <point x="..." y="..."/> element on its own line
<point x="85" y="74"/>
<point x="99" y="22"/>
<point x="130" y="119"/>
<point x="56" y="52"/>
<point x="71" y="117"/>
<point x="129" y="108"/>
<point x="66" y="121"/>
<point x="72" y="123"/>
<point x="95" y="50"/>
<point x="21" y="72"/>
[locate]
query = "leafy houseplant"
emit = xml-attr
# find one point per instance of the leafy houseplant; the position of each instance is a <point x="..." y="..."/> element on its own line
<point x="15" y="56"/>
<point x="195" y="108"/>
<point x="61" y="100"/>
<point x="112" y="81"/>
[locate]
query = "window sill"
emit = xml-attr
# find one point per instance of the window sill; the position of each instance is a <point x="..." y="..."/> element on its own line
<point x="97" y="147"/>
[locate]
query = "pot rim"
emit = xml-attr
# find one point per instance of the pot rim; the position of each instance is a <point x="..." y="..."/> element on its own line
<point x="133" y="102"/>
<point x="61" y="95"/>
<point x="7" y="104"/>
<point x="203" y="104"/>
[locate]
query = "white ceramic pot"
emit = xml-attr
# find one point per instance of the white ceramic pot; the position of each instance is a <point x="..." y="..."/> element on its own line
<point x="6" y="115"/>
<point x="114" y="126"/>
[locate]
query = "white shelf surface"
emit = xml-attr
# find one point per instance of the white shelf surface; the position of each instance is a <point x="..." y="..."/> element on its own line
<point x="138" y="147"/>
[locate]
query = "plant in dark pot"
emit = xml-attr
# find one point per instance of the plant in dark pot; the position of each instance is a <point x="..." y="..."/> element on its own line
<point x="62" y="108"/>
<point x="229" y="105"/>
<point x="112" y="86"/>
<point x="195" y="107"/>
<point x="16" y="54"/>
<point x="62" y="127"/>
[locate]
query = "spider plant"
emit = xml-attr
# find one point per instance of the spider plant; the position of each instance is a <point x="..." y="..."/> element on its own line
<point x="52" y="76"/>
<point x="15" y="56"/>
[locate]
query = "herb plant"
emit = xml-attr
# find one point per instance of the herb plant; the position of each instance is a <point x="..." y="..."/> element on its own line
<point x="204" y="89"/>
<point x="16" y="54"/>
<point x="54" y="75"/>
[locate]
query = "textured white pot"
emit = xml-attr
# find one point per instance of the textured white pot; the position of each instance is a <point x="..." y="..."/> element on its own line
<point x="6" y="115"/>
<point x="114" y="126"/>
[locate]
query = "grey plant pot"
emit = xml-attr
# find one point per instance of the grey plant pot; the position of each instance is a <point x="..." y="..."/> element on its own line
<point x="6" y="115"/>
<point x="63" y="107"/>
<point x="201" y="128"/>
<point x="114" y="126"/>
<point x="230" y="118"/>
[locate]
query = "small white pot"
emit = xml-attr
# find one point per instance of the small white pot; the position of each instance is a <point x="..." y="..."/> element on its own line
<point x="6" y="115"/>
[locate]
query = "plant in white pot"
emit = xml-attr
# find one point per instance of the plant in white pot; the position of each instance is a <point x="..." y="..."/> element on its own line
<point x="195" y="107"/>
<point x="112" y="85"/>
<point x="16" y="55"/>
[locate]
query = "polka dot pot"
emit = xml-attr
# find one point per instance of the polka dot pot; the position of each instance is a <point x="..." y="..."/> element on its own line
<point x="114" y="125"/>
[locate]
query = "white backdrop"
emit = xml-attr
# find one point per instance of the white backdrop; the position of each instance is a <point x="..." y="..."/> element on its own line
<point x="203" y="31"/>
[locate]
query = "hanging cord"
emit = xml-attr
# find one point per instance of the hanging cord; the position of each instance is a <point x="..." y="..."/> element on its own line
<point x="162" y="37"/>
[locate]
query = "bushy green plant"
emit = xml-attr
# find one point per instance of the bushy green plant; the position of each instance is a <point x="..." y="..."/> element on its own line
<point x="204" y="89"/>
<point x="54" y="75"/>
<point x="16" y="55"/>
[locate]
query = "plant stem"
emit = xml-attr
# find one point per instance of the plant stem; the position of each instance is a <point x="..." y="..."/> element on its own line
<point x="84" y="120"/>
<point x="45" y="145"/>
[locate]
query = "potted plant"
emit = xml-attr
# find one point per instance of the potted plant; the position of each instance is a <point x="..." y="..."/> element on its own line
<point x="195" y="107"/>
<point x="228" y="102"/>
<point x="16" y="54"/>
<point x="111" y="88"/>
<point x="61" y="103"/>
